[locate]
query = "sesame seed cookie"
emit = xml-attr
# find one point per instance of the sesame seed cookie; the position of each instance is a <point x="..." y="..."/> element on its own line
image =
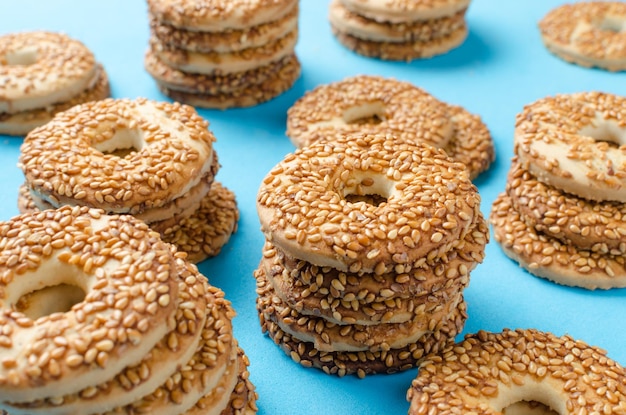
<point x="278" y="78"/>
<point x="304" y="203"/>
<point x="173" y="350"/>
<point x="573" y="141"/>
<point x="361" y="363"/>
<point x="548" y="257"/>
<point x="589" y="34"/>
<point x="203" y="234"/>
<point x="214" y="63"/>
<point x="330" y="337"/>
<point x="171" y="150"/>
<point x="219" y="15"/>
<point x="596" y="226"/>
<point x="402" y="51"/>
<point x="373" y="104"/>
<point x="486" y="372"/>
<point x="41" y="69"/>
<point x="231" y="40"/>
<point x="361" y="27"/>
<point x="399" y="30"/>
<point x="20" y="123"/>
<point x="86" y="242"/>
<point x="397" y="11"/>
<point x="370" y="299"/>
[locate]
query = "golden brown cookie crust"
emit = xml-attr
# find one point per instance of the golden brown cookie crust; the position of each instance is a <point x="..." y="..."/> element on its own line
<point x="587" y="33"/>
<point x="517" y="365"/>
<point x="313" y="220"/>
<point x="548" y="258"/>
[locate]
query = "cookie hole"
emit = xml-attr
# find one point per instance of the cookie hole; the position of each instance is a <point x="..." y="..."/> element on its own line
<point x="24" y="57"/>
<point x="532" y="397"/>
<point x="49" y="300"/>
<point x="365" y="114"/>
<point x="528" y="408"/>
<point x="606" y="132"/>
<point x="612" y="24"/>
<point x="122" y="143"/>
<point x="372" y="190"/>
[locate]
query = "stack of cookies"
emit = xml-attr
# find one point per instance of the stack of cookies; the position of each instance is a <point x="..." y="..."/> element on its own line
<point x="42" y="74"/>
<point x="369" y="244"/>
<point x="563" y="214"/>
<point x="399" y="30"/>
<point x="153" y="160"/>
<point x="221" y="54"/>
<point x="147" y="335"/>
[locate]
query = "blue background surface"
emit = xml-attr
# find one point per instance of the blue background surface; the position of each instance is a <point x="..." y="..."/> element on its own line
<point x="501" y="67"/>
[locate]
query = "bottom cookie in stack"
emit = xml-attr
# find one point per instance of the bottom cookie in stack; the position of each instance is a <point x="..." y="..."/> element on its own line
<point x="131" y="278"/>
<point x="348" y="282"/>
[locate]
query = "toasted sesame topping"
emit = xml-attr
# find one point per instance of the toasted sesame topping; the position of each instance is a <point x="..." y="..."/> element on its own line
<point x="305" y="205"/>
<point x="587" y="33"/>
<point x="203" y="234"/>
<point x="548" y="257"/>
<point x="39" y="69"/>
<point x="485" y="372"/>
<point x="398" y="11"/>
<point x="361" y="363"/>
<point x="330" y="337"/>
<point x="219" y="15"/>
<point x="575" y="142"/>
<point x="117" y="261"/>
<point x="171" y="150"/>
<point x="594" y="226"/>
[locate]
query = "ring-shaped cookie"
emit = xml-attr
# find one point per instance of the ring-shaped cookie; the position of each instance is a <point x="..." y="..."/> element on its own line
<point x="39" y="69"/>
<point x="95" y="255"/>
<point x="309" y="203"/>
<point x="219" y="15"/>
<point x="345" y="21"/>
<point x="225" y="41"/>
<point x="72" y="158"/>
<point x="486" y="372"/>
<point x="549" y="258"/>
<point x="596" y="226"/>
<point x="399" y="11"/>
<point x="576" y="142"/>
<point x="590" y="34"/>
<point x="173" y="350"/>
<point x="373" y="104"/>
<point x="23" y="122"/>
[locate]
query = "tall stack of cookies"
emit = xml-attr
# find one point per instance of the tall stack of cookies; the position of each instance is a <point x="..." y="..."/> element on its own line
<point x="399" y="30"/>
<point x="370" y="241"/>
<point x="44" y="73"/>
<point x="226" y="53"/>
<point x="563" y="214"/>
<point x="147" y="335"/>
